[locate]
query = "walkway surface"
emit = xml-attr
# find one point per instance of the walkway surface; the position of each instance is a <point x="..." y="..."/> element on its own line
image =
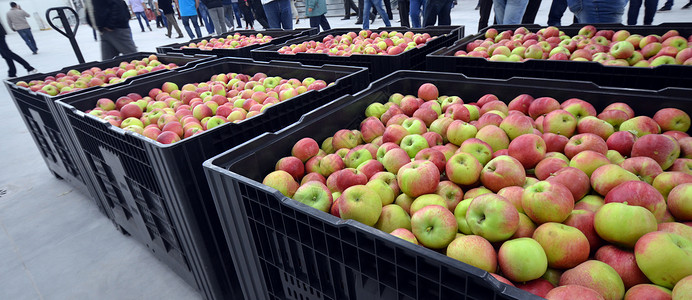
<point x="54" y="244"/>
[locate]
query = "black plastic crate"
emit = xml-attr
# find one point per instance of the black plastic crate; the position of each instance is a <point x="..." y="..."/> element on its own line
<point x="45" y="128"/>
<point x="284" y="249"/>
<point x="379" y="65"/>
<point x="660" y="77"/>
<point x="278" y="37"/>
<point x="159" y="194"/>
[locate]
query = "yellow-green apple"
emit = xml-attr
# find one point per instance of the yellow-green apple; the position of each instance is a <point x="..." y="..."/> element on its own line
<point x="607" y="177"/>
<point x="585" y="141"/>
<point x="492" y="217"/>
<point x="680" y="202"/>
<point x="280" y="180"/>
<point x="528" y="149"/>
<point x="672" y="119"/>
<point x="375" y="110"/>
<point x="639" y="193"/>
<point x="460" y="215"/>
<point x="578" y="108"/>
<point x="620" y="106"/>
<point x="473" y="250"/>
<point x="292" y="165"/>
<point x="587" y="31"/>
<point x="624" y="263"/>
<point x="502" y="171"/>
<point x="313" y="165"/>
<point x="477" y="191"/>
<point x="597" y="276"/>
<point x="621" y="141"/>
<point x="683" y="56"/>
<point x="345" y="138"/>
<point x="623" y="224"/>
<point x="440" y="126"/>
<point x="305" y="149"/>
<point x="355" y="157"/>
<point x="522" y="259"/>
<point x="533" y="52"/>
<point x="405" y="234"/>
<point x="682" y="165"/>
<point x="678" y="228"/>
<point x="543" y="105"/>
<point x="371" y="128"/>
<point x="573" y="179"/>
<point x="434" y="226"/>
<point x="494" y="106"/>
<point x="640" y="126"/>
<point x="635" y="58"/>
<point x="583" y="220"/>
<point x="666" y="181"/>
<point x="683" y="289"/>
<point x="513" y="194"/>
<point x="547" y="202"/>
<point x="622" y="49"/>
<point x="360" y="203"/>
<point x="573" y="291"/>
<point x="521" y="103"/>
<point x="330" y="164"/>
<point x="414" y="125"/>
<point x="425" y="200"/>
<point x="405" y="202"/>
<point x="649" y="291"/>
<point x="548" y="166"/>
<point x="394" y="159"/>
<point x="413" y="143"/>
<point x="314" y="194"/>
<point x="384" y="190"/>
<point x="651" y="49"/>
<point x="554" y="142"/>
<point x="392" y="218"/>
<point x="559" y="122"/>
<point x="664" y="257"/>
<point x="564" y="246"/>
<point x="529" y="181"/>
<point x="590" y="203"/>
<point x="660" y="147"/>
<point x="591" y="124"/>
<point x="459" y="131"/>
<point x="478" y="149"/>
<point x="418" y="178"/>
<point x="553" y="276"/>
<point x="463" y="169"/>
<point x="526" y="227"/>
<point x="451" y="193"/>
<point x="685" y="147"/>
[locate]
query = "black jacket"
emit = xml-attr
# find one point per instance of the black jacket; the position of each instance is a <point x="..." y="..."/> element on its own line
<point x="110" y="14"/>
<point x="212" y="3"/>
<point x="2" y="30"/>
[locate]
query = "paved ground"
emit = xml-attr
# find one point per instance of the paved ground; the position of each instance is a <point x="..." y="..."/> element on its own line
<point x="54" y="244"/>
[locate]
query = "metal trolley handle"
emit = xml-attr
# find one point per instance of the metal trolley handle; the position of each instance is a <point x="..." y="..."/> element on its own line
<point x="69" y="32"/>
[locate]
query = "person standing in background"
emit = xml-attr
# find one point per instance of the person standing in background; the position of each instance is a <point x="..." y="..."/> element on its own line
<point x="10" y="56"/>
<point x="278" y="14"/>
<point x="378" y="6"/>
<point x="166" y="7"/>
<point x="509" y="11"/>
<point x="137" y="9"/>
<point x="348" y="6"/>
<point x="16" y="18"/>
<point x="531" y="12"/>
<point x="154" y="5"/>
<point x="247" y="14"/>
<point x="316" y="9"/>
<point x="260" y="14"/>
<point x="403" y="12"/>
<point x="204" y="17"/>
<point x="112" y="19"/>
<point x="649" y="11"/>
<point x="667" y="6"/>
<point x="437" y="9"/>
<point x="228" y="14"/>
<point x="485" y="7"/>
<point x="188" y="11"/>
<point x="598" y="11"/>
<point x="415" y="10"/>
<point x="215" y="9"/>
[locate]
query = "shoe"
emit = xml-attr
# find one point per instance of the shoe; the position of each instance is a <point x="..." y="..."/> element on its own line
<point x="664" y="9"/>
<point x="346" y="18"/>
<point x="149" y="28"/>
<point x="168" y="35"/>
<point x="477" y="7"/>
<point x="688" y="5"/>
<point x="297" y="21"/>
<point x="32" y="71"/>
<point x="180" y="36"/>
<point x="359" y="22"/>
<point x="142" y="30"/>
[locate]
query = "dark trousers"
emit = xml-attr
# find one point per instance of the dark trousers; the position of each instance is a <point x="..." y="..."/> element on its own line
<point x="531" y="11"/>
<point x="486" y="6"/>
<point x="669" y="4"/>
<point x="348" y="6"/>
<point x="10" y="57"/>
<point x="247" y="14"/>
<point x="360" y="10"/>
<point x="437" y="9"/>
<point x="115" y="42"/>
<point x="258" y="10"/>
<point x="557" y="9"/>
<point x="649" y="11"/>
<point x="403" y="13"/>
<point x="316" y="22"/>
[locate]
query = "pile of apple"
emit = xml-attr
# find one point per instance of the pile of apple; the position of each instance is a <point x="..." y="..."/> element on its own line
<point x="74" y="80"/>
<point x="604" y="46"/>
<point x="170" y="114"/>
<point x="230" y="42"/>
<point x="363" y="42"/>
<point x="554" y="198"/>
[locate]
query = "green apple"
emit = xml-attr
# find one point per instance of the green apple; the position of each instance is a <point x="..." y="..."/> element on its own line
<point x="360" y="203"/>
<point x="597" y="276"/>
<point x="664" y="257"/>
<point x="460" y="215"/>
<point x="492" y="217"/>
<point x="314" y="194"/>
<point x="522" y="259"/>
<point x="282" y="181"/>
<point x="474" y="250"/>
<point x="463" y="168"/>
<point x="434" y="226"/>
<point x="393" y="217"/>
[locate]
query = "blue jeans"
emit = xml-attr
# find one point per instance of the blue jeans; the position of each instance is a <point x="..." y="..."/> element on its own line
<point x="28" y="38"/>
<point x="509" y="11"/>
<point x="557" y="9"/>
<point x="186" y="23"/>
<point x="279" y="14"/>
<point x="598" y="11"/>
<point x="204" y="13"/>
<point x="236" y="11"/>
<point x="316" y="22"/>
<point x="649" y="11"/>
<point x="417" y="6"/>
<point x="141" y="15"/>
<point x="367" y="5"/>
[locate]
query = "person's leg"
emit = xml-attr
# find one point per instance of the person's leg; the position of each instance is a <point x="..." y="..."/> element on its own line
<point x="6" y="54"/>
<point x="649" y="11"/>
<point x="186" y="24"/>
<point x="168" y="25"/>
<point x="236" y="12"/>
<point x="388" y="8"/>
<point x="259" y="13"/>
<point x="315" y="22"/>
<point x="24" y="34"/>
<point x="361" y="5"/>
<point x="367" y="4"/>
<point x="271" y="9"/>
<point x="324" y="23"/>
<point x="285" y="14"/>
<point x="380" y="10"/>
<point x="531" y="11"/>
<point x="123" y="42"/>
<point x="403" y="13"/>
<point x="609" y="11"/>
<point x="499" y="8"/>
<point x="633" y="12"/>
<point x="514" y="11"/>
<point x="139" y="19"/>
<point x="444" y="16"/>
<point x="108" y="50"/>
<point x="352" y="7"/>
<point x="667" y="6"/>
<point x="228" y="16"/>
<point x="557" y="9"/>
<point x="485" y="7"/>
<point x="171" y="20"/>
<point x="430" y="12"/>
<point x="218" y="18"/>
<point x="414" y="13"/>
